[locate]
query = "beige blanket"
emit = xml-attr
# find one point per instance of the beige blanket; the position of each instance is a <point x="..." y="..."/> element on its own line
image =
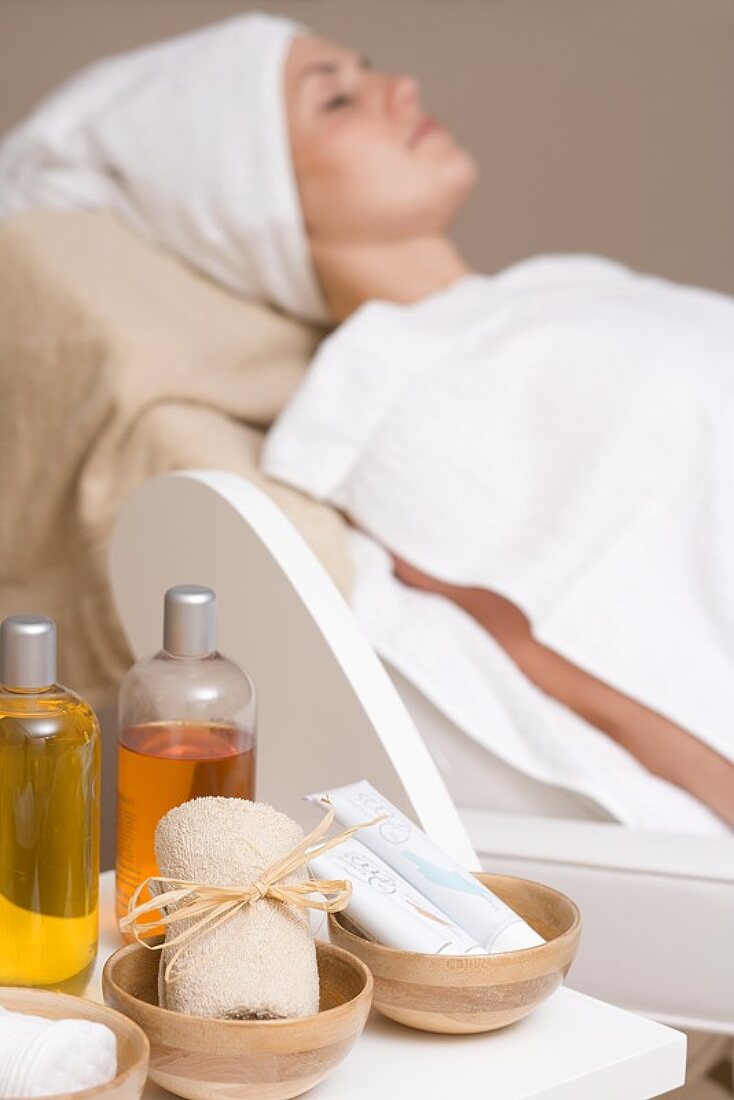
<point x="117" y="363"/>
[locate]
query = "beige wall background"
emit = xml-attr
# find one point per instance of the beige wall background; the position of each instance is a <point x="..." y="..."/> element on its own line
<point x="600" y="125"/>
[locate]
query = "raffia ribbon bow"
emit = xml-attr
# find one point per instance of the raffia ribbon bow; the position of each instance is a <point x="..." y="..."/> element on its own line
<point x="209" y="906"/>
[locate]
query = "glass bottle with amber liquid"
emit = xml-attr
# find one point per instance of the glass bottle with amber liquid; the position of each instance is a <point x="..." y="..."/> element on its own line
<point x="49" y="816"/>
<point x="187" y="729"/>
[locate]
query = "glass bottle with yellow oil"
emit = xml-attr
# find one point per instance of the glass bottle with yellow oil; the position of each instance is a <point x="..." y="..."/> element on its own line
<point x="49" y="816"/>
<point x="187" y="730"/>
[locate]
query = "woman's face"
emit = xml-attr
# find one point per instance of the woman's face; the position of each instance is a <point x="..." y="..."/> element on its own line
<point x="371" y="164"/>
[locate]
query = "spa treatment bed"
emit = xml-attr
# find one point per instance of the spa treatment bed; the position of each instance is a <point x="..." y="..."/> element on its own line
<point x="330" y="714"/>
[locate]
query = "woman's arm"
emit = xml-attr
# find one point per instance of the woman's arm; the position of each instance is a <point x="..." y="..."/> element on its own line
<point x="664" y="748"/>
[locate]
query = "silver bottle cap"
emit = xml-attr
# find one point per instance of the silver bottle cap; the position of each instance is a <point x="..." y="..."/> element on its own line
<point x="189" y="621"/>
<point x="27" y="652"/>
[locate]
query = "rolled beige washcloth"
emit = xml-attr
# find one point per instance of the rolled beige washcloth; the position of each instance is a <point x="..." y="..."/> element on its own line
<point x="261" y="963"/>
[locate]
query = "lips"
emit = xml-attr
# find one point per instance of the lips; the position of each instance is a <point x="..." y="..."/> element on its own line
<point x="427" y="125"/>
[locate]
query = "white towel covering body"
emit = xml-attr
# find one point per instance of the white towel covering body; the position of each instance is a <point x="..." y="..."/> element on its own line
<point x="187" y="142"/>
<point x="561" y="433"/>
<point x="41" y="1057"/>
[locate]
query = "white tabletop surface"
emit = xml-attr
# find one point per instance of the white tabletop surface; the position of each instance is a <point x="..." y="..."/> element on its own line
<point x="571" y="1048"/>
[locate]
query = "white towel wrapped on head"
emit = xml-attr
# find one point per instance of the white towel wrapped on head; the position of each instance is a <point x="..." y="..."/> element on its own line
<point x="186" y="141"/>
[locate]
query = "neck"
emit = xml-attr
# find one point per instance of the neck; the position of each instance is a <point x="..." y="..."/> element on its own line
<point x="402" y="271"/>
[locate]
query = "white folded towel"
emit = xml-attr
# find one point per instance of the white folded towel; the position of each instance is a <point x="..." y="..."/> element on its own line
<point x="563" y="434"/>
<point x="187" y="142"/>
<point x="40" y="1057"/>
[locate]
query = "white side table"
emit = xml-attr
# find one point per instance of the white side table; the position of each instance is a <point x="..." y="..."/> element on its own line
<point x="572" y="1048"/>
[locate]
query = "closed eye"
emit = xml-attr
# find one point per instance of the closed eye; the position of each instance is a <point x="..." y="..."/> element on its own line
<point x="338" y="101"/>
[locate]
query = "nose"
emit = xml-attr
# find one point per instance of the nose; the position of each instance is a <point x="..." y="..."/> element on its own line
<point x="404" y="94"/>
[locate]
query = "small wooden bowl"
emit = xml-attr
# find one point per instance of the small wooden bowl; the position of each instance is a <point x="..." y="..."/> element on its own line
<point x="199" y="1058"/>
<point x="461" y="994"/>
<point x="132" y="1045"/>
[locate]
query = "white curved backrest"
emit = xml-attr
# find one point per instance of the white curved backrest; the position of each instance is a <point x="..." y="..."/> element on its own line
<point x="328" y="713"/>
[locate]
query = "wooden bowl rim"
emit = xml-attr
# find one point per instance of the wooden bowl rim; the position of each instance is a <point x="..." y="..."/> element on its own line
<point x="107" y="1012"/>
<point x="478" y="960"/>
<point x="331" y="1014"/>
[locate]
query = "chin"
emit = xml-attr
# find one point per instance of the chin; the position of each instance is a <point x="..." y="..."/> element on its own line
<point x="460" y="178"/>
<point x="467" y="169"/>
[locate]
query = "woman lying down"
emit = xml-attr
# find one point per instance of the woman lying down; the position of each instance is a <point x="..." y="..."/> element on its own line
<point x="550" y="448"/>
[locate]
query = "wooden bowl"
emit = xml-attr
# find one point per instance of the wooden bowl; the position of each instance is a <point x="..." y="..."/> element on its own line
<point x="132" y="1045"/>
<point x="200" y="1058"/>
<point x="461" y="994"/>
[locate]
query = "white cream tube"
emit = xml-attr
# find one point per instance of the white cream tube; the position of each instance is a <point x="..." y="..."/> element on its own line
<point x="432" y="872"/>
<point x="387" y="908"/>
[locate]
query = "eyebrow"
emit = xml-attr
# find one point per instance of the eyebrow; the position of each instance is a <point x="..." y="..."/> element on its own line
<point x="330" y="67"/>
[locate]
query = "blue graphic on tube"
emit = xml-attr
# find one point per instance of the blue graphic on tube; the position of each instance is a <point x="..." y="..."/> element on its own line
<point x="452" y="880"/>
